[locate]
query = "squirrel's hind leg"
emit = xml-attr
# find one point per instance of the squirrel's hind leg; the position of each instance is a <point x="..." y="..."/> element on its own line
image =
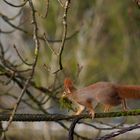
<point x="107" y="108"/>
<point x="124" y="105"/>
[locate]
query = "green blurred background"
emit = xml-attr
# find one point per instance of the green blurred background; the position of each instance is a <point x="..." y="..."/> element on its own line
<point x="106" y="45"/>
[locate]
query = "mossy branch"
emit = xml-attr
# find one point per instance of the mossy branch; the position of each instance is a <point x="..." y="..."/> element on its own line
<point x="58" y="117"/>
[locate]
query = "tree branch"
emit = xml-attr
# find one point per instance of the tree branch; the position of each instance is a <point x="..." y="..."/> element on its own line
<point x="119" y="132"/>
<point x="71" y="129"/>
<point x="59" y="117"/>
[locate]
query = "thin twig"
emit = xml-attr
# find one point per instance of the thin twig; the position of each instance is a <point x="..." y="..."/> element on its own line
<point x="16" y="6"/>
<point x="7" y="63"/>
<point x="47" y="9"/>
<point x="6" y="19"/>
<point x="61" y="3"/>
<point x="21" y="58"/>
<point x="7" y="32"/>
<point x="66" y="7"/>
<point x="17" y="15"/>
<point x="109" y="127"/>
<point x="52" y="50"/>
<point x="119" y="132"/>
<point x="60" y="40"/>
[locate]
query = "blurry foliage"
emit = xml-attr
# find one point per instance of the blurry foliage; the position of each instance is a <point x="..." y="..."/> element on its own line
<point x="107" y="44"/>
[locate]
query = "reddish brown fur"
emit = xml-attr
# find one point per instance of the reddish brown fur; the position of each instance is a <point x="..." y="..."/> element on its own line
<point x="129" y="92"/>
<point x="68" y="85"/>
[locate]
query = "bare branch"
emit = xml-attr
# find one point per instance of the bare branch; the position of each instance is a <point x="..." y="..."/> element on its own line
<point x="16" y="6"/>
<point x="119" y="132"/>
<point x="67" y="3"/>
<point x="21" y="58"/>
<point x="37" y="46"/>
<point x="6" y="19"/>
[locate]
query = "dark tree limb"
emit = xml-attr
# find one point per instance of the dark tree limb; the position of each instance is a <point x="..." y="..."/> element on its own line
<point x="71" y="129"/>
<point x="59" y="117"/>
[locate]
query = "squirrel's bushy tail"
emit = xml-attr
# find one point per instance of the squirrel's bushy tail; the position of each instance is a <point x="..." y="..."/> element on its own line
<point x="130" y="92"/>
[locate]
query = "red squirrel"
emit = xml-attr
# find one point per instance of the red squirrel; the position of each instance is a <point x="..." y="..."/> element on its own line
<point x="106" y="93"/>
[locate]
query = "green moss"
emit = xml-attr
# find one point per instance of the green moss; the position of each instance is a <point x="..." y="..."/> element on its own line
<point x="65" y="103"/>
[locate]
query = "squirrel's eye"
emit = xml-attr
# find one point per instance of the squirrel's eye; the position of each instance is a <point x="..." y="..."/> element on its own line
<point x="64" y="93"/>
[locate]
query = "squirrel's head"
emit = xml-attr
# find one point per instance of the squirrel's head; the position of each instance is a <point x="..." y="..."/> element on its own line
<point x="68" y="87"/>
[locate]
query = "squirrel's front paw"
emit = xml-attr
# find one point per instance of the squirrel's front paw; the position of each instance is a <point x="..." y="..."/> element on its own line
<point x="92" y="114"/>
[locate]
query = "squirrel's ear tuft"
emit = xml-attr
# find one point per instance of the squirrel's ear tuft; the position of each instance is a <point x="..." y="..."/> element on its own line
<point x="68" y="84"/>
